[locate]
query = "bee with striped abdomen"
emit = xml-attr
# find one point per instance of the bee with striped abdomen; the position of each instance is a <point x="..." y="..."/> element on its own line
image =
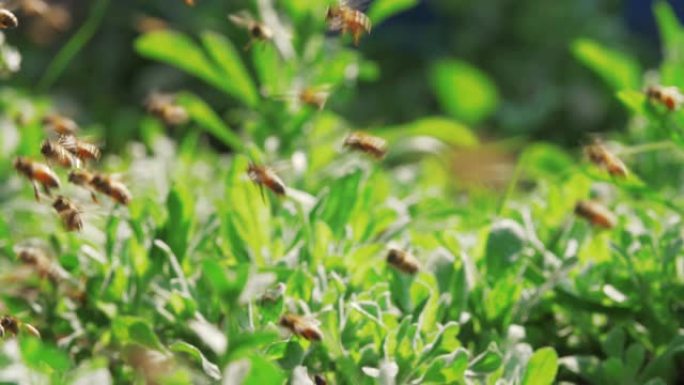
<point x="597" y="214"/>
<point x="37" y="173"/>
<point x="348" y="17"/>
<point x="301" y="326"/>
<point x="603" y="158"/>
<point x="402" y="261"/>
<point x="264" y="176"/>
<point x="55" y="152"/>
<point x="69" y="213"/>
<point x="372" y="145"/>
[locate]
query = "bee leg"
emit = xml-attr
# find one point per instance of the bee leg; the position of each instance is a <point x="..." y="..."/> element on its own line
<point x="35" y="190"/>
<point x="2" y="332"/>
<point x="357" y="36"/>
<point x="47" y="191"/>
<point x="94" y="197"/>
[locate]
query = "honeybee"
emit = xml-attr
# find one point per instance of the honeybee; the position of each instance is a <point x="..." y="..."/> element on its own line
<point x="60" y="125"/>
<point x="301" y="327"/>
<point x="57" y="153"/>
<point x="372" y="145"/>
<point x="347" y="17"/>
<point x="313" y="97"/>
<point x="8" y="19"/>
<point x="79" y="148"/>
<point x="320" y="380"/>
<point x="264" y="176"/>
<point x="83" y="178"/>
<point x="596" y="214"/>
<point x="37" y="173"/>
<point x="114" y="189"/>
<point x="258" y="31"/>
<point x="670" y="97"/>
<point x="40" y="261"/>
<point x="11" y="325"/>
<point x="164" y="107"/>
<point x="402" y="261"/>
<point x="600" y="156"/>
<point x="69" y="213"/>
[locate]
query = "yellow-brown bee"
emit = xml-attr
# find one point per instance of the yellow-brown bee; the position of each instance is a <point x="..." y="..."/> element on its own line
<point x="301" y="327"/>
<point x="81" y="149"/>
<point x="264" y="176"/>
<point x="670" y="97"/>
<point x="57" y="153"/>
<point x="83" y="178"/>
<point x="40" y="261"/>
<point x="600" y="156"/>
<point x="313" y="97"/>
<point x="372" y="145"/>
<point x="165" y="108"/>
<point x="8" y="19"/>
<point x="402" y="261"/>
<point x="60" y="125"/>
<point x="346" y="17"/>
<point x="37" y="173"/>
<point x="13" y="326"/>
<point x="596" y="214"/>
<point x="69" y="213"/>
<point x="258" y="31"/>
<point x="114" y="189"/>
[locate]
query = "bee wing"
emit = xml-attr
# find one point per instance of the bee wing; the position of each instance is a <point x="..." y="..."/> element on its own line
<point x="359" y="5"/>
<point x="241" y="18"/>
<point x="67" y="141"/>
<point x="281" y="36"/>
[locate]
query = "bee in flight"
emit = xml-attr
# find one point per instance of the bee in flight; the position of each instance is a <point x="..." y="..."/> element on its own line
<point x="301" y="326"/>
<point x="313" y="97"/>
<point x="258" y="31"/>
<point x="83" y="178"/>
<point x="165" y="108"/>
<point x="81" y="149"/>
<point x="60" y="125"/>
<point x="69" y="213"/>
<point x="597" y="214"/>
<point x="670" y="97"/>
<point x="7" y="19"/>
<point x="55" y="152"/>
<point x="11" y="325"/>
<point x="40" y="261"/>
<point x="107" y="185"/>
<point x="372" y="145"/>
<point x="37" y="173"/>
<point x="603" y="158"/>
<point x="402" y="261"/>
<point x="349" y="17"/>
<point x="319" y="379"/>
<point x="264" y="176"/>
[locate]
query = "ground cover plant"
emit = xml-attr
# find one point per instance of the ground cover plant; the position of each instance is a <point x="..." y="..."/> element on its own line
<point x="252" y="234"/>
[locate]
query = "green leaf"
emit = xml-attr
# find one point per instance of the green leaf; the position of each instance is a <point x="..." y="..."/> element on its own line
<point x="635" y="101"/>
<point x="619" y="70"/>
<point x="505" y="242"/>
<point x="383" y="9"/>
<point x="614" y="343"/>
<point x="39" y="356"/>
<point x="137" y="330"/>
<point x="209" y="368"/>
<point x="180" y="205"/>
<point x="464" y="91"/>
<point x="488" y="361"/>
<point x="226" y="58"/>
<point x="444" y="129"/>
<point x="263" y="372"/>
<point x="202" y="114"/>
<point x="541" y="368"/>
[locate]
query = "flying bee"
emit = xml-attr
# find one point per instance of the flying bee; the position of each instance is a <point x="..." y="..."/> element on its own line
<point x="11" y="325"/>
<point x="38" y="258"/>
<point x="372" y="145"/>
<point x="60" y="125"/>
<point x="81" y="149"/>
<point x="301" y="327"/>
<point x="7" y="19"/>
<point x="111" y="187"/>
<point x="57" y="153"/>
<point x="258" y="31"/>
<point x="83" y="178"/>
<point x="313" y="97"/>
<point x="603" y="158"/>
<point x="347" y="17"/>
<point x="264" y="176"/>
<point x="37" y="173"/>
<point x="402" y="261"/>
<point x="670" y="97"/>
<point x="596" y="214"/>
<point x="165" y="108"/>
<point x="69" y="213"/>
<point x="319" y="379"/>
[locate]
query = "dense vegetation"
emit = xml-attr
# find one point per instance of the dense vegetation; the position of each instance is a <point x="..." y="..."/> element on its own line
<point x="189" y="281"/>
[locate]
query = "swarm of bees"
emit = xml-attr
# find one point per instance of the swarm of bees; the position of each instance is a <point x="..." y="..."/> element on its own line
<point x="10" y="325"/>
<point x="603" y="158"/>
<point x="301" y="327"/>
<point x="347" y="17"/>
<point x="670" y="97"/>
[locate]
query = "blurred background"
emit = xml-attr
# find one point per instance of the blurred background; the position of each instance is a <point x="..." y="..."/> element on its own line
<point x="520" y="48"/>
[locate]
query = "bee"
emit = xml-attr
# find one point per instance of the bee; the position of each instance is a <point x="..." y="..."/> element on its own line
<point x="319" y="379"/>
<point x="600" y="156"/>
<point x="11" y="325"/>
<point x="83" y="178"/>
<point x="596" y="214"/>
<point x="69" y="213"/>
<point x="60" y="125"/>
<point x="670" y="97"/>
<point x="346" y="17"/>
<point x="301" y="327"/>
<point x="37" y="173"/>
<point x="39" y="259"/>
<point x="8" y="19"/>
<point x="114" y="189"/>
<point x="57" y="153"/>
<point x="314" y="98"/>
<point x="264" y="176"/>
<point x="79" y="148"/>
<point x="402" y="261"/>
<point x="258" y="31"/>
<point x="165" y="108"/>
<point x="372" y="145"/>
